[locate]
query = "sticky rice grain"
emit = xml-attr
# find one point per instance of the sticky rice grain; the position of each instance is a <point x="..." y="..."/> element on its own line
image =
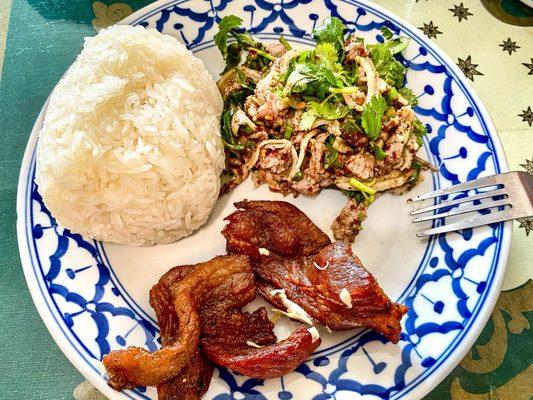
<point x="130" y="149"/>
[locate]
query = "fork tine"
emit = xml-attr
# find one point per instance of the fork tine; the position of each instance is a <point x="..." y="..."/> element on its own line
<point x="454" y="202"/>
<point x="460" y="187"/>
<point x="464" y="210"/>
<point x="471" y="222"/>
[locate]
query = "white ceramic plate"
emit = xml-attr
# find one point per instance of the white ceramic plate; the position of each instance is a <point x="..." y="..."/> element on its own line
<point x="93" y="296"/>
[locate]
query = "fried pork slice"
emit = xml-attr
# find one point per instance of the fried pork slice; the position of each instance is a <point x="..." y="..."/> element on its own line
<point x="135" y="366"/>
<point x="230" y="336"/>
<point x="194" y="378"/>
<point x="333" y="287"/>
<point x="251" y="359"/>
<point x="277" y="226"/>
<point x="245" y="342"/>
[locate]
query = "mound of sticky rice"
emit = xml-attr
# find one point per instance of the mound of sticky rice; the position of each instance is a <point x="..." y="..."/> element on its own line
<point x="130" y="151"/>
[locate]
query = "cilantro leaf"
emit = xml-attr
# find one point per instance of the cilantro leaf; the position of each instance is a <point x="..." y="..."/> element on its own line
<point x="325" y="109"/>
<point x="331" y="31"/>
<point x="408" y="95"/>
<point x="311" y="79"/>
<point x="328" y="109"/>
<point x="229" y="26"/>
<point x="388" y="68"/>
<point x="225" y="26"/>
<point x="397" y="45"/>
<point x="300" y="76"/>
<point x="386" y="33"/>
<point x="419" y="130"/>
<point x="371" y="116"/>
<point x="327" y="55"/>
<point x="382" y="55"/>
<point x="306" y="121"/>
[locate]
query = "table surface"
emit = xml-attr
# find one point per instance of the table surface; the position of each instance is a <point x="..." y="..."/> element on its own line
<point x="492" y="42"/>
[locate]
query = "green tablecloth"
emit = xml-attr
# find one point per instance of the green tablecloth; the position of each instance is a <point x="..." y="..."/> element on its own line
<point x="491" y="40"/>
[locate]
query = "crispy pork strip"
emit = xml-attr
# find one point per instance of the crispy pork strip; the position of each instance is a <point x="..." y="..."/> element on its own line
<point x="334" y="288"/>
<point x="277" y="226"/>
<point x="193" y="380"/>
<point x="327" y="280"/>
<point x="228" y="332"/>
<point x="135" y="366"/>
<point x="229" y="336"/>
<point x="264" y="362"/>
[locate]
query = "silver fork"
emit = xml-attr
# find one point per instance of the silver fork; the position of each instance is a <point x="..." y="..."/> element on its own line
<point x="511" y="189"/>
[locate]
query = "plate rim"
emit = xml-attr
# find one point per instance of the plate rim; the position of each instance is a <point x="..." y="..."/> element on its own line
<point x="416" y="392"/>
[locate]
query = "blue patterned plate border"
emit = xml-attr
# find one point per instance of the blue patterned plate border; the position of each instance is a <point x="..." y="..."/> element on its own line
<point x="43" y="246"/>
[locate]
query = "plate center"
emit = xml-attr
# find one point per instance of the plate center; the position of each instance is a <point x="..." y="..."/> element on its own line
<point x="387" y="245"/>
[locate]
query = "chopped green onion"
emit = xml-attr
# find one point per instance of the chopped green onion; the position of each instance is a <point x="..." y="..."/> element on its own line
<point x="284" y="42"/>
<point x="247" y="129"/>
<point x="378" y="152"/>
<point x="390" y="112"/>
<point x="369" y="198"/>
<point x="298" y="176"/>
<point x="288" y="132"/>
<point x="346" y="90"/>
<point x="361" y="186"/>
<point x="391" y="95"/>
<point x="262" y="54"/>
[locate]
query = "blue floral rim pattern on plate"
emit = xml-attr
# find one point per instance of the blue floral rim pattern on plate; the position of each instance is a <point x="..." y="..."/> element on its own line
<point x="447" y="266"/>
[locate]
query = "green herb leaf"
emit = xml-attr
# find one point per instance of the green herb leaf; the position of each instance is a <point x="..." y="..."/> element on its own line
<point x="397" y="45"/>
<point x="386" y="33"/>
<point x="307" y="120"/>
<point x="225" y="26"/>
<point x="331" y="155"/>
<point x="388" y="68"/>
<point x="234" y="101"/>
<point x="357" y="196"/>
<point x="382" y="55"/>
<point x="327" y="55"/>
<point x="311" y="80"/>
<point x="241" y="79"/>
<point x="331" y="31"/>
<point x="225" y="132"/>
<point x="413" y="179"/>
<point x="409" y="96"/>
<point x="233" y="57"/>
<point x="328" y="109"/>
<point x="419" y="130"/>
<point x="371" y="116"/>
<point x="350" y="126"/>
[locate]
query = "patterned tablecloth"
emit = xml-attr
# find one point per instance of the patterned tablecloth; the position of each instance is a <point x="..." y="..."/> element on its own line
<point x="491" y="41"/>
